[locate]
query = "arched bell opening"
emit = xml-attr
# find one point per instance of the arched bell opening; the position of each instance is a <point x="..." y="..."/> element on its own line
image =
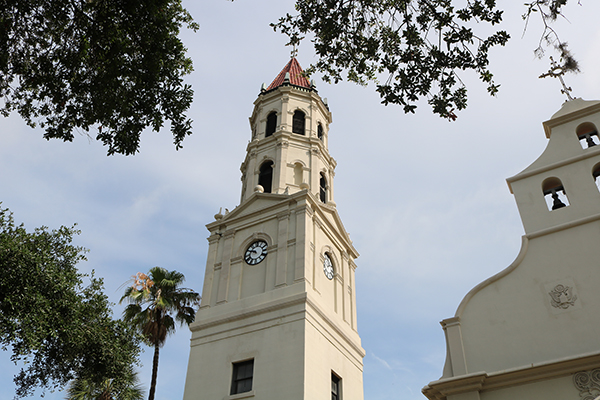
<point x="299" y="123"/>
<point x="265" y="176"/>
<point x="596" y="175"/>
<point x="323" y="188"/>
<point x="554" y="193"/>
<point x="271" y="124"/>
<point x="587" y="135"/>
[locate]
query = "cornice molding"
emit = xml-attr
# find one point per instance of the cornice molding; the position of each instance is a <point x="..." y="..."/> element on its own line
<point x="481" y="381"/>
<point x="563" y="119"/>
<point x="236" y="315"/>
<point x="570" y="224"/>
<point x="587" y="153"/>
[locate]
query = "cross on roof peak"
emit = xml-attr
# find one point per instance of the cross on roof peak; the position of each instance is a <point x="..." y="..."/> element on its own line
<point x="556" y="71"/>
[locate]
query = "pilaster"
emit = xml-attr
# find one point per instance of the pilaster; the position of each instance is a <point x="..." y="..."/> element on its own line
<point x="222" y="292"/>
<point x="314" y="170"/>
<point x="209" y="274"/>
<point x="282" y="249"/>
<point x="346" y="287"/>
<point x="330" y="183"/>
<point x="250" y="173"/>
<point x="456" y="350"/>
<point x="280" y="173"/>
<point x="303" y="215"/>
<point x="285" y="114"/>
<point x="352" y="296"/>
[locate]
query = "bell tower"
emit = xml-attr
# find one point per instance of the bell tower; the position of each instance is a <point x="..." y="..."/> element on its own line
<point x="531" y="331"/>
<point x="278" y="312"/>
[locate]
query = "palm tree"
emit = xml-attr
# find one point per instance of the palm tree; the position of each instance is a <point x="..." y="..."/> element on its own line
<point x="127" y="388"/>
<point x="155" y="302"/>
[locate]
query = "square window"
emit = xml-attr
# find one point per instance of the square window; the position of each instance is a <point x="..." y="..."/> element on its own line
<point x="241" y="381"/>
<point x="336" y="387"/>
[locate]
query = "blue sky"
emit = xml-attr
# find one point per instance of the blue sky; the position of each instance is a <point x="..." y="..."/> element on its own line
<point x="425" y="200"/>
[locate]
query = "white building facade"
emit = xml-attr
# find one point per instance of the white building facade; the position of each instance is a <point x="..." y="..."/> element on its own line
<point x="532" y="331"/>
<point x="278" y="313"/>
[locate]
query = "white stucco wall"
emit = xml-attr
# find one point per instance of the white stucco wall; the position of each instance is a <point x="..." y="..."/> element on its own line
<point x="526" y="332"/>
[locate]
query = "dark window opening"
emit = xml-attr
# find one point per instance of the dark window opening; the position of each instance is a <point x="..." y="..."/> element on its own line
<point x="320" y="131"/>
<point x="265" y="176"/>
<point x="271" y="124"/>
<point x="241" y="381"/>
<point x="335" y="387"/>
<point x="555" y="194"/>
<point x="298" y="122"/>
<point x="323" y="188"/>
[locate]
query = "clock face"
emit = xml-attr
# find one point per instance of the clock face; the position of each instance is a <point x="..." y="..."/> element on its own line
<point x="327" y="266"/>
<point x="256" y="252"/>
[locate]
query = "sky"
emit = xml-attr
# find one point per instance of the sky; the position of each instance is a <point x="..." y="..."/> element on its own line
<point x="425" y="200"/>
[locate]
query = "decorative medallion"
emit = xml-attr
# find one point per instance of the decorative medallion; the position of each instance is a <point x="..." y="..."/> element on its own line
<point x="562" y="296"/>
<point x="588" y="384"/>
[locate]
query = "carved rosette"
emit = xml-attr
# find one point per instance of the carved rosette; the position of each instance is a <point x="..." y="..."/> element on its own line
<point x="562" y="296"/>
<point x="588" y="384"/>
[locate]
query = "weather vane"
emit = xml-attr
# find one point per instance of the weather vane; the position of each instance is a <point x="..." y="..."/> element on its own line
<point x="294" y="51"/>
<point x="557" y="72"/>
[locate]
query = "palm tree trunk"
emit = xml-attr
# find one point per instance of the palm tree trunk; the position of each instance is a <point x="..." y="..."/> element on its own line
<point x="105" y="395"/>
<point x="154" y="373"/>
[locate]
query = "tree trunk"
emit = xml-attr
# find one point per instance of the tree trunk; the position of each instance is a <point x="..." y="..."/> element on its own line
<point x="154" y="373"/>
<point x="105" y="395"/>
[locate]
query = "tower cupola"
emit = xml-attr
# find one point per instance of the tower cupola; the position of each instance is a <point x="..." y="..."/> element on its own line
<point x="288" y="149"/>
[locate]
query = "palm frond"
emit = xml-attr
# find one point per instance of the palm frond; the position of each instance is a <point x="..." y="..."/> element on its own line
<point x="154" y="309"/>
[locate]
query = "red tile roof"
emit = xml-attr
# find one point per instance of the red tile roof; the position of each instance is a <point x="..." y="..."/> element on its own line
<point x="297" y="77"/>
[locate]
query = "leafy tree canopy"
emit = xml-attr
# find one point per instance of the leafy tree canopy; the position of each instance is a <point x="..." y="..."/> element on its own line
<point x="59" y="327"/>
<point x="549" y="11"/>
<point x="114" y="67"/>
<point x="411" y="49"/>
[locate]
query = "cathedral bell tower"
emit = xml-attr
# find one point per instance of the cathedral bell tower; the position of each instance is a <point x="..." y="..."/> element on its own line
<point x="278" y="313"/>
